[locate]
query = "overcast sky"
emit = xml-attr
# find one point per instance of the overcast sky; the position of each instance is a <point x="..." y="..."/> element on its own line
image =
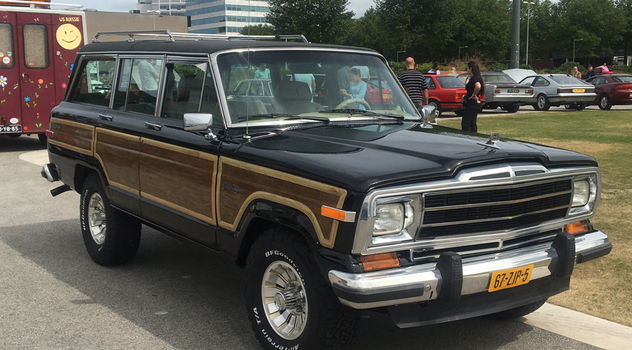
<point x="357" y="6"/>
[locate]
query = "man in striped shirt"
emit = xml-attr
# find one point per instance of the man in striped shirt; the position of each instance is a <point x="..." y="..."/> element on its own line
<point x="414" y="82"/>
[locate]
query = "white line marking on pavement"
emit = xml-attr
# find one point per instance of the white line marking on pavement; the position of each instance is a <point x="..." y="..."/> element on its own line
<point x="579" y="326"/>
<point x="35" y="157"/>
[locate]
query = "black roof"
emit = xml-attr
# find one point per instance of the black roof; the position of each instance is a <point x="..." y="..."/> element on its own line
<point x="200" y="46"/>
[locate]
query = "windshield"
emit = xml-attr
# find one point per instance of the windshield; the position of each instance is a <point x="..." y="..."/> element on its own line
<point x="498" y="78"/>
<point x="566" y="80"/>
<point x="623" y="78"/>
<point x="309" y="84"/>
<point x="450" y="82"/>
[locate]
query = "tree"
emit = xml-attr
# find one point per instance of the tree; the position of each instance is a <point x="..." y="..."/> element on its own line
<point x="321" y="21"/>
<point x="258" y="29"/>
<point x="625" y="7"/>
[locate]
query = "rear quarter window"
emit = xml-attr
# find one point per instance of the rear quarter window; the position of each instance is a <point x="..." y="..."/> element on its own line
<point x="6" y="45"/>
<point x="94" y="81"/>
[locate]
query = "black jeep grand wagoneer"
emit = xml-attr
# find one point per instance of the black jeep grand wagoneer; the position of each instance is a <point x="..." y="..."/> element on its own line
<point x="331" y="202"/>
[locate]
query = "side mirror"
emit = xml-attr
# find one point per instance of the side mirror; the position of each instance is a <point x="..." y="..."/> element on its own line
<point x="429" y="114"/>
<point x="197" y="121"/>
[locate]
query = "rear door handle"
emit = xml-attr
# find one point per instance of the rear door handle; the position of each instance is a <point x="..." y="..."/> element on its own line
<point x="153" y="126"/>
<point x="105" y="117"/>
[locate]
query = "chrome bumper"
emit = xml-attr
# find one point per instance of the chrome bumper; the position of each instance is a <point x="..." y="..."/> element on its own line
<point x="424" y="282"/>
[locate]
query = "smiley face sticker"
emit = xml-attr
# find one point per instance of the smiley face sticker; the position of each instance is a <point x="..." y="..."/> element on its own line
<point x="68" y="36"/>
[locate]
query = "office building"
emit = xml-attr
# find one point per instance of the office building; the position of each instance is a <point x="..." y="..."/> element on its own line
<point x="225" y="16"/>
<point x="163" y="7"/>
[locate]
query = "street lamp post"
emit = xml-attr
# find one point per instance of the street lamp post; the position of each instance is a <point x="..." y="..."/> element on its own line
<point x="397" y="54"/>
<point x="462" y="47"/>
<point x="574" y="41"/>
<point x="526" y="56"/>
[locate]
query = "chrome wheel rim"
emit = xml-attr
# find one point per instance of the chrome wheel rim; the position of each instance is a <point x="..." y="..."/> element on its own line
<point x="541" y="102"/>
<point x="97" y="220"/>
<point x="284" y="300"/>
<point x="604" y="101"/>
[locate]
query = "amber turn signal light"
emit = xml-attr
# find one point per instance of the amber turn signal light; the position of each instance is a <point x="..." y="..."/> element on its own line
<point x="379" y="261"/>
<point x="576" y="228"/>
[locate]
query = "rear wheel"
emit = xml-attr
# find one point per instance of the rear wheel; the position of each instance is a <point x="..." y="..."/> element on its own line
<point x="289" y="304"/>
<point x="519" y="311"/>
<point x="604" y="103"/>
<point x="110" y="236"/>
<point x="542" y="103"/>
<point x="512" y="108"/>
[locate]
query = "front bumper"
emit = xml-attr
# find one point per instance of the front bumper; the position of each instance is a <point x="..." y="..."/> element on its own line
<point x="451" y="278"/>
<point x="511" y="99"/>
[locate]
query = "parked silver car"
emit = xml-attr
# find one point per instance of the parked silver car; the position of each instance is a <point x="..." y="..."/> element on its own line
<point x="556" y="89"/>
<point x="503" y="91"/>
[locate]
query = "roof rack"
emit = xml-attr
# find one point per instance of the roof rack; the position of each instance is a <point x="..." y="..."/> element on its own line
<point x="41" y="4"/>
<point x="195" y="36"/>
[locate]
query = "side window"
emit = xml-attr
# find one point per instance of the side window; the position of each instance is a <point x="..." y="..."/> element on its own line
<point x="189" y="88"/>
<point x="94" y="81"/>
<point x="137" y="88"/>
<point x="430" y="83"/>
<point x="35" y="46"/>
<point x="6" y="45"/>
<point x="541" y="82"/>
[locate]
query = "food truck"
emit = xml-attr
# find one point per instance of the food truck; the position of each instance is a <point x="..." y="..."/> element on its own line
<point x="38" y="43"/>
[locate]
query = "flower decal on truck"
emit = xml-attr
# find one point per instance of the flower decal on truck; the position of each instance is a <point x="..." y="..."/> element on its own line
<point x="3" y="81"/>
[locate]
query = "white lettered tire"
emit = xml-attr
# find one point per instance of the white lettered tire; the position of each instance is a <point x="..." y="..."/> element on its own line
<point x="289" y="304"/>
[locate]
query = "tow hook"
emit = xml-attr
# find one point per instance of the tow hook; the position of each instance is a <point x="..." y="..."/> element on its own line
<point x="59" y="190"/>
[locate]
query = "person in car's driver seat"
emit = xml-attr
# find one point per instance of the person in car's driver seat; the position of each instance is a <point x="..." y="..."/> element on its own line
<point x="357" y="88"/>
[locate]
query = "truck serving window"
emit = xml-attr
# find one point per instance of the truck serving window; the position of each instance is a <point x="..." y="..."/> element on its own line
<point x="6" y="45"/>
<point x="94" y="82"/>
<point x="35" y="46"/>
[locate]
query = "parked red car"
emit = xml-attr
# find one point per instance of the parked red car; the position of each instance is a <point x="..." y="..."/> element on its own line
<point x="377" y="93"/>
<point x="612" y="89"/>
<point x="445" y="92"/>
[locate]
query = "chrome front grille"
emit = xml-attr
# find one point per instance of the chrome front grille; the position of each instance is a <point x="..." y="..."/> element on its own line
<point x="494" y="209"/>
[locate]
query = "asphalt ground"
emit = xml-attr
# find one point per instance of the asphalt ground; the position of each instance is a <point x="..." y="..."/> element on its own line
<point x="174" y="295"/>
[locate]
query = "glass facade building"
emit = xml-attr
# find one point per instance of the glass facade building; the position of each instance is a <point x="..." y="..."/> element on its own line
<point x="225" y="16"/>
<point x="163" y="7"/>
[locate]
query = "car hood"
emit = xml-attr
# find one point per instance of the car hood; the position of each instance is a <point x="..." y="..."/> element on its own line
<point x="518" y="74"/>
<point x="364" y="157"/>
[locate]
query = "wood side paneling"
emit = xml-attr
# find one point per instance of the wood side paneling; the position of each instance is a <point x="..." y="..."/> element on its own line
<point x="240" y="183"/>
<point x="119" y="156"/>
<point x="72" y="135"/>
<point x="179" y="178"/>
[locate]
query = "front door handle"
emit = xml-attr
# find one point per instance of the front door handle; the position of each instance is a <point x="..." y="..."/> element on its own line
<point x="153" y="126"/>
<point x="105" y="117"/>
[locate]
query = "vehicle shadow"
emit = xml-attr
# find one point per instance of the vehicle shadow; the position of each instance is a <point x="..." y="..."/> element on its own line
<point x="192" y="299"/>
<point x="22" y="143"/>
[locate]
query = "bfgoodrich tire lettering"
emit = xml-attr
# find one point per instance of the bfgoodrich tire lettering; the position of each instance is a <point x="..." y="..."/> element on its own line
<point x="119" y="240"/>
<point x="329" y="324"/>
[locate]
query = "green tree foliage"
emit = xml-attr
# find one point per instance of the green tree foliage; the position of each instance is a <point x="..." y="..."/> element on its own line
<point x="258" y="29"/>
<point x="321" y="21"/>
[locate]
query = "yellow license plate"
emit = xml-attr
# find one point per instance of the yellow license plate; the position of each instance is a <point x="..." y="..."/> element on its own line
<point x="579" y="90"/>
<point x="510" y="278"/>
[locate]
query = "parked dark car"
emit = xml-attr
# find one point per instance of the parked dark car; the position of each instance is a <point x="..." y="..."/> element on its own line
<point x="612" y="89"/>
<point x="502" y="91"/>
<point x="331" y="206"/>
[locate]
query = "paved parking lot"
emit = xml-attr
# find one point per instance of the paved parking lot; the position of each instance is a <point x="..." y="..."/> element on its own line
<point x="530" y="109"/>
<point x="172" y="296"/>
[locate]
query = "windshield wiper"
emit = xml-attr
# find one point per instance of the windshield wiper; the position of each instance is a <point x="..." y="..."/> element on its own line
<point x="318" y="119"/>
<point x="263" y="116"/>
<point x="363" y="113"/>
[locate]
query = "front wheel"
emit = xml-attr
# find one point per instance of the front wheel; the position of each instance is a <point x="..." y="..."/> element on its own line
<point x="110" y="236"/>
<point x="436" y="105"/>
<point x="512" y="108"/>
<point x="289" y="304"/>
<point x="518" y="311"/>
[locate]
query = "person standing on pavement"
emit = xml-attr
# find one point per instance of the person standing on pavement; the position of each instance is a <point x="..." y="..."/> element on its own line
<point x="414" y="83"/>
<point x="590" y="72"/>
<point x="434" y="69"/>
<point x="471" y="102"/>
